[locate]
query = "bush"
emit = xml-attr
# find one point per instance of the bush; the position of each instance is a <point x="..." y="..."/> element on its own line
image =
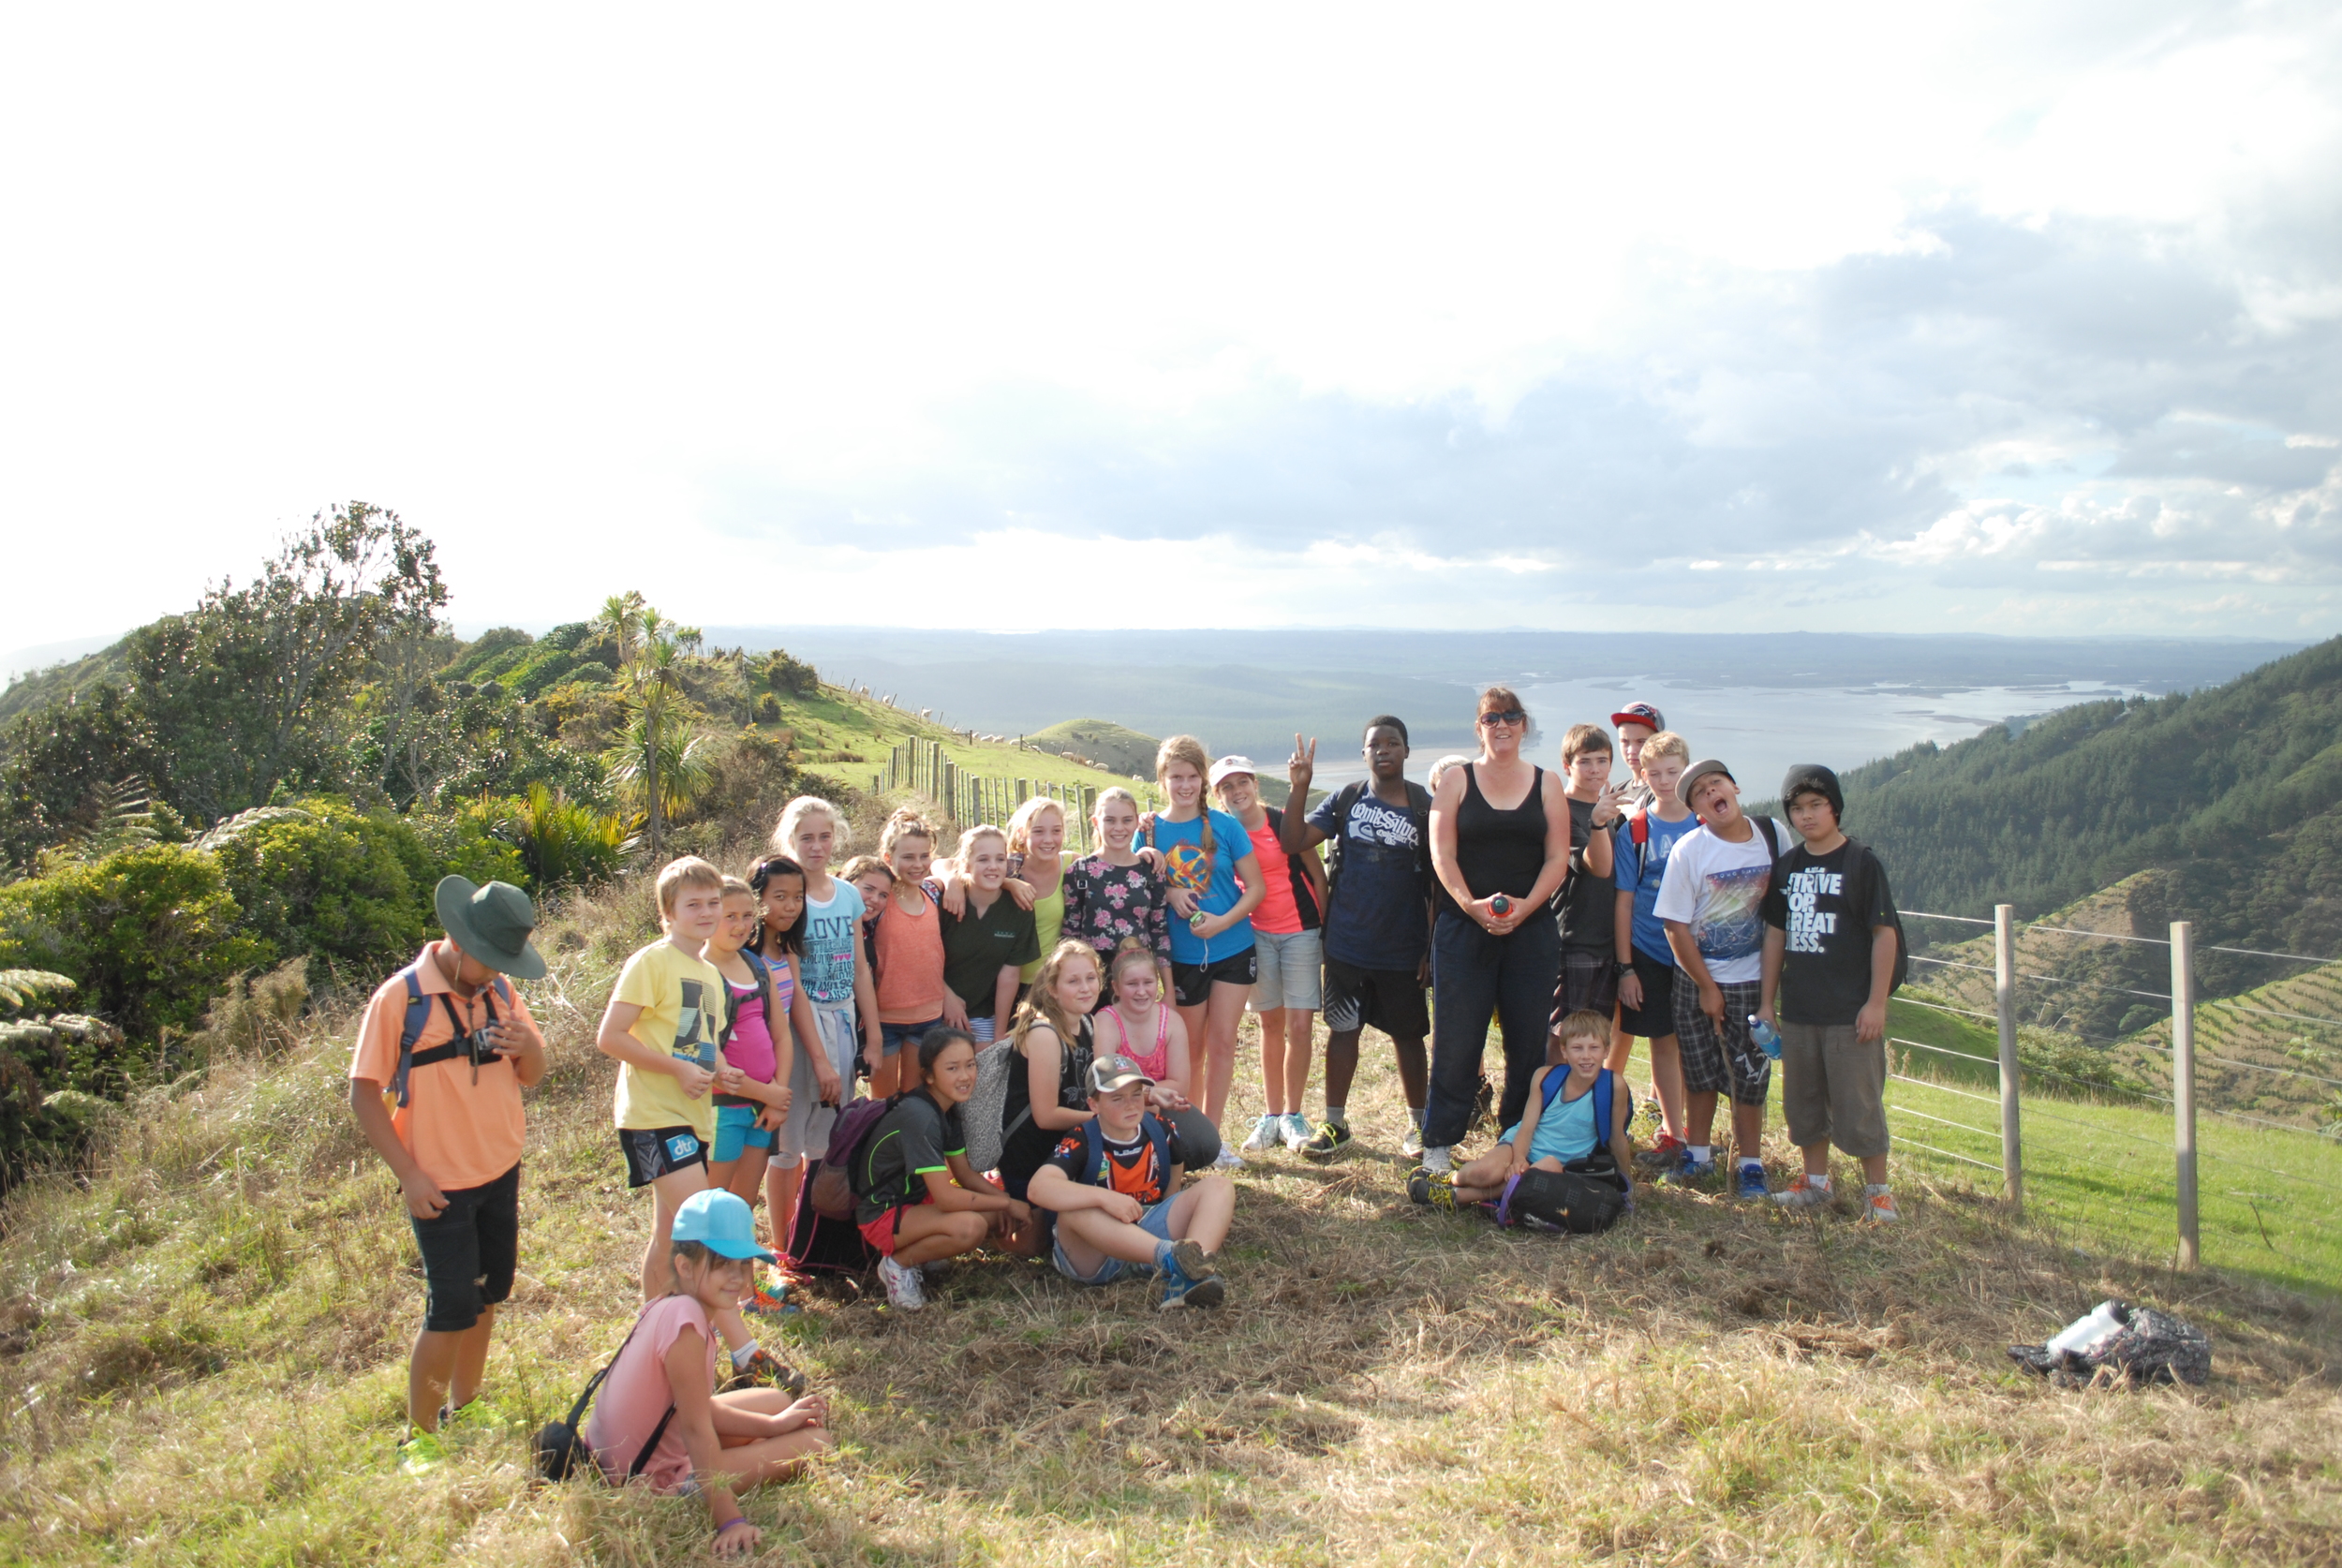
<point x="150" y="934"/>
<point x="783" y="672"/>
<point x="558" y="841"/>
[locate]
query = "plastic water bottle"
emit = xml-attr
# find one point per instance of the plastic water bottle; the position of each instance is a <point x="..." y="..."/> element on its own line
<point x="1500" y="906"/>
<point x="2085" y="1332"/>
<point x="1768" y="1039"/>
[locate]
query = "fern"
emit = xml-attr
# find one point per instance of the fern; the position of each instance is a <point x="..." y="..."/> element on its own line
<point x="229" y="828"/>
<point x="21" y="988"/>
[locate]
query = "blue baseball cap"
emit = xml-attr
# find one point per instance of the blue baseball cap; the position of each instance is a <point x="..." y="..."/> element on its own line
<point x="720" y="1221"/>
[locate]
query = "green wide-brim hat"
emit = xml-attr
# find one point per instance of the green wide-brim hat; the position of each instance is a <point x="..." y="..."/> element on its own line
<point x="491" y="924"/>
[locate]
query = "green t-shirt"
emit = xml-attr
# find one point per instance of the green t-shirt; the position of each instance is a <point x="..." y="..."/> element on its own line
<point x="976" y="946"/>
<point x="683" y="1000"/>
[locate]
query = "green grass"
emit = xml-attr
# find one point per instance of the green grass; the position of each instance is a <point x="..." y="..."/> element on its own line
<point x="202" y="1345"/>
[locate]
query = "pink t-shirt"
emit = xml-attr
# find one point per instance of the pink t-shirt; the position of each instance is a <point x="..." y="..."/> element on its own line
<point x="1156" y="1059"/>
<point x="750" y="1048"/>
<point x="635" y="1395"/>
<point x="1278" y="914"/>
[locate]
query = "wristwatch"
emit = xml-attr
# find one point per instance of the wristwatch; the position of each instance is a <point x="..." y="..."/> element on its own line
<point x="1621" y="969"/>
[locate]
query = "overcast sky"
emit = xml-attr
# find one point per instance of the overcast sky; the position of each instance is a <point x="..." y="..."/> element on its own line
<point x="2023" y="317"/>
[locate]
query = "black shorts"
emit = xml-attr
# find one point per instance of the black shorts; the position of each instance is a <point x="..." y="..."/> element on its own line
<point x="1192" y="983"/>
<point x="1655" y="1018"/>
<point x="653" y="1152"/>
<point x="1392" y="1001"/>
<point x="1589" y="983"/>
<point x="470" y="1250"/>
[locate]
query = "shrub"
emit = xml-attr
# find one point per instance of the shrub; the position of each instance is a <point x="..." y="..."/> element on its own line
<point x="783" y="672"/>
<point x="149" y="934"/>
<point x="558" y="842"/>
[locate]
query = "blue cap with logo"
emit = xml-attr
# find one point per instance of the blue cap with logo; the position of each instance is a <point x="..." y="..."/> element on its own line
<point x="720" y="1221"/>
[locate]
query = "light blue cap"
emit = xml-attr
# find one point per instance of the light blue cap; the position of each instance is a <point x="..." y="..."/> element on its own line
<point x="720" y="1221"/>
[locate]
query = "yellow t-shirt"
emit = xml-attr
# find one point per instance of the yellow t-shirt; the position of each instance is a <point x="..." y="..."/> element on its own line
<point x="683" y="1000"/>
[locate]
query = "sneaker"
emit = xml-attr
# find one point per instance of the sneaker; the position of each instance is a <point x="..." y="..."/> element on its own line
<point x="1802" y="1193"/>
<point x="768" y="1295"/>
<point x="1665" y="1150"/>
<point x="764" y="1369"/>
<point x="1189" y="1279"/>
<point x="1437" y="1160"/>
<point x="1749" y="1182"/>
<point x="1434" y="1189"/>
<point x="1332" y="1139"/>
<point x="421" y="1454"/>
<point x="1879" y="1208"/>
<point x="474" y="1417"/>
<point x="1229" y="1159"/>
<point x="1410" y="1147"/>
<point x="1268" y="1133"/>
<point x="902" y="1286"/>
<point x="1688" y="1172"/>
<point x="1296" y="1132"/>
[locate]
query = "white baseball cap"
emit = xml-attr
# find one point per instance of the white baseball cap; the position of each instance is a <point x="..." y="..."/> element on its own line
<point x="1227" y="765"/>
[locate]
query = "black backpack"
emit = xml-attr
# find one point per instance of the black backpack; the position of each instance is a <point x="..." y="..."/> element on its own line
<point x="560" y="1444"/>
<point x="1347" y="797"/>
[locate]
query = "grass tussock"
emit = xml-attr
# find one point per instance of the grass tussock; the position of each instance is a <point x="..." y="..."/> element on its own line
<point x="202" y="1348"/>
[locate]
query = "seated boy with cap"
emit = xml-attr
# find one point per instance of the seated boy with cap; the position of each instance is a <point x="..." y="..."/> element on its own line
<point x="444" y="1050"/>
<point x="1114" y="1184"/>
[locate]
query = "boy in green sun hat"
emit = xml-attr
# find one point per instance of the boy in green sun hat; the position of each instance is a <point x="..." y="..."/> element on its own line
<point x="444" y="1050"/>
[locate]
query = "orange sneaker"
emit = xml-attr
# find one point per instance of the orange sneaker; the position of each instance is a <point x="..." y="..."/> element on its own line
<point x="1879" y="1206"/>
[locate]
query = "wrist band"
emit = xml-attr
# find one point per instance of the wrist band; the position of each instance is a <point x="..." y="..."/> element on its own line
<point x="736" y="1519"/>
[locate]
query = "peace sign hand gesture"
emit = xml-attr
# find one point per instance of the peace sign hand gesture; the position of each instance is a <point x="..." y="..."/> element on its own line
<point x="1302" y="767"/>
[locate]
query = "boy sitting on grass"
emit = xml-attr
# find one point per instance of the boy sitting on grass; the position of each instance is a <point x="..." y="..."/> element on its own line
<point x="1559" y="1130"/>
<point x="453" y="1138"/>
<point x="1114" y="1184"/>
<point x="1831" y="935"/>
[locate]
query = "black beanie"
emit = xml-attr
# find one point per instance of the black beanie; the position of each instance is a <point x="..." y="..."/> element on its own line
<point x="1805" y="778"/>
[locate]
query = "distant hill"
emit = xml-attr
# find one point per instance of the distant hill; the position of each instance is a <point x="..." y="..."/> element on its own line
<point x="2223" y="805"/>
<point x="38" y="687"/>
<point x="1100" y="741"/>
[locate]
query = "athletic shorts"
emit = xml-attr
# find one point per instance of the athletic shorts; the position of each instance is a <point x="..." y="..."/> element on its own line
<point x="1156" y="1222"/>
<point x="1834" y="1088"/>
<point x="652" y="1152"/>
<point x="806" y="1130"/>
<point x="1587" y="984"/>
<point x="736" y="1132"/>
<point x="1287" y="970"/>
<point x="1390" y="1001"/>
<point x="1720" y="1059"/>
<point x="1655" y="1018"/>
<point x="1192" y="983"/>
<point x="470" y="1249"/>
<point x="894" y="1037"/>
<point x="881" y="1232"/>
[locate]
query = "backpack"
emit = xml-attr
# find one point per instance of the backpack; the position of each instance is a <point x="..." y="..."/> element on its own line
<point x="2144" y="1346"/>
<point x="831" y="1189"/>
<point x="1094" y="1160"/>
<point x="418" y="1014"/>
<point x="560" y="1444"/>
<point x="1347" y="797"/>
<point x="980" y="1116"/>
<point x="1902" y="946"/>
<point x="1297" y="866"/>
<point x="1604" y="1098"/>
<point x="819" y="1243"/>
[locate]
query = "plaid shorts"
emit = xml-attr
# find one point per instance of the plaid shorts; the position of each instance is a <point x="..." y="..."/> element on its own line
<point x="1716" y="1060"/>
<point x="1587" y="984"/>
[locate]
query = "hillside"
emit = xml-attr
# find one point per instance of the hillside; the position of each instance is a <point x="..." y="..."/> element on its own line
<point x="1102" y="742"/>
<point x="2231" y="796"/>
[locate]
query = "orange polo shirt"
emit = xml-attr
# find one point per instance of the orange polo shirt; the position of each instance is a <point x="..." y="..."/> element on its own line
<point x="461" y="1134"/>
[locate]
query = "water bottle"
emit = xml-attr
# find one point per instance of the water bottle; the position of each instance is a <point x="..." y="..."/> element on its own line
<point x="1500" y="906"/>
<point x="2084" y="1333"/>
<point x="1768" y="1039"/>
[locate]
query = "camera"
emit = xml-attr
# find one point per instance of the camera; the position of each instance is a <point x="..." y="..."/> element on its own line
<point x="474" y="1047"/>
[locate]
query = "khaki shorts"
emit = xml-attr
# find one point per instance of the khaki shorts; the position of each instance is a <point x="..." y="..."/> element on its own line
<point x="1833" y="1090"/>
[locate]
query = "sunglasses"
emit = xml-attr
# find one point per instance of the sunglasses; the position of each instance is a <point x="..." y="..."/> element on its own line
<point x="1509" y="716"/>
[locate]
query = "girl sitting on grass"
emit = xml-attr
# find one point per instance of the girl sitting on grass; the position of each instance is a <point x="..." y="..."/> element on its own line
<point x="1049" y="1096"/>
<point x="1139" y="1022"/>
<point x="916" y="1198"/>
<point x="658" y="1415"/>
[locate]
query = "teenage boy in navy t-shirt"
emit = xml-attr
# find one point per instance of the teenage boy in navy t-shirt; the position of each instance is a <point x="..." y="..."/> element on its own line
<point x="1378" y="924"/>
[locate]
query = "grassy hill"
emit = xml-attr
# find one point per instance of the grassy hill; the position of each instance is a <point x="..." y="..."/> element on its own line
<point x="202" y="1362"/>
<point x="1102" y="742"/>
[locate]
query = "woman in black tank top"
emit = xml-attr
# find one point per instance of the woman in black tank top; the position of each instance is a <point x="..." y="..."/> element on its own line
<point x="1487" y="961"/>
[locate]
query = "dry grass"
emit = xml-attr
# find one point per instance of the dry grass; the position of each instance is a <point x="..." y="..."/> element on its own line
<point x="201" y="1360"/>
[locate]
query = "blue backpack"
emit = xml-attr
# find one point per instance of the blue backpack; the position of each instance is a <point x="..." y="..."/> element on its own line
<point x="418" y="1014"/>
<point x="1157" y="1135"/>
<point x="1607" y="1085"/>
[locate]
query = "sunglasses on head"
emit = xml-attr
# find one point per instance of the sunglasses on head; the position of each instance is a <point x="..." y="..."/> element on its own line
<point x="1510" y="716"/>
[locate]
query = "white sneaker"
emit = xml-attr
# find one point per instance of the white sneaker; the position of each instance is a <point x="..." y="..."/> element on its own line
<point x="1229" y="1159"/>
<point x="1436" y="1159"/>
<point x="1411" y="1145"/>
<point x="1268" y="1133"/>
<point x="1296" y="1132"/>
<point x="1802" y="1193"/>
<point x="902" y="1286"/>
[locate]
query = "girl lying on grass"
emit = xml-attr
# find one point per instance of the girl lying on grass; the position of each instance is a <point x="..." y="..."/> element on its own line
<point x="917" y="1199"/>
<point x="658" y="1415"/>
<point x="1556" y="1131"/>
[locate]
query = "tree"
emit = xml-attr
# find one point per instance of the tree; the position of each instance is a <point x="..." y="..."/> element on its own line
<point x="246" y="692"/>
<point x="655" y="760"/>
<point x="65" y="761"/>
<point x="621" y="621"/>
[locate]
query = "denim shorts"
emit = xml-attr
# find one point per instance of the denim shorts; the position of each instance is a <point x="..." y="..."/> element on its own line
<point x="1156" y="1222"/>
<point x="736" y="1132"/>
<point x="1291" y="966"/>
<point x="894" y="1037"/>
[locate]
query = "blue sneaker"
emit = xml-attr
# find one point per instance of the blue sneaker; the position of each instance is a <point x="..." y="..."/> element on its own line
<point x="1752" y="1181"/>
<point x="1187" y="1280"/>
<point x="1689" y="1172"/>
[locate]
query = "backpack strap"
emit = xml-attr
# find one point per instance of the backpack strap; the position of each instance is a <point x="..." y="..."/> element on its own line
<point x="1160" y="1135"/>
<point x="1772" y="835"/>
<point x="410" y="1031"/>
<point x="1345" y="799"/>
<point x="1094" y="1157"/>
<point x="1555" y="1076"/>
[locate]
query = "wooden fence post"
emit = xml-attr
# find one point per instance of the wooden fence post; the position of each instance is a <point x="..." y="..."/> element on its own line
<point x="2184" y="1083"/>
<point x="2011" y="1072"/>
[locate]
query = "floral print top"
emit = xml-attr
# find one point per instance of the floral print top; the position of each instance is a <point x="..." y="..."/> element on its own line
<point x="1106" y="903"/>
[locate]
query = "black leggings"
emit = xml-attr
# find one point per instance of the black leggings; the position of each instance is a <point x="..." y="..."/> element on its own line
<point x="1475" y="976"/>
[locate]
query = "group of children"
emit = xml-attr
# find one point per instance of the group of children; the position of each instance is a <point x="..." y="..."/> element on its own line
<point x="1098" y="996"/>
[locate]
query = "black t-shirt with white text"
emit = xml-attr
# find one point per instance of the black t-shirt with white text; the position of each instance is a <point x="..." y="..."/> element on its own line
<point x="1826" y="908"/>
<point x="1589" y="903"/>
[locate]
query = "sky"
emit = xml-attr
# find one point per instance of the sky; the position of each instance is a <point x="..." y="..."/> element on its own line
<point x="2015" y="317"/>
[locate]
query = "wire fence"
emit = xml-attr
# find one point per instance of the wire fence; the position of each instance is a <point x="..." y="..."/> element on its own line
<point x="2098" y="1152"/>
